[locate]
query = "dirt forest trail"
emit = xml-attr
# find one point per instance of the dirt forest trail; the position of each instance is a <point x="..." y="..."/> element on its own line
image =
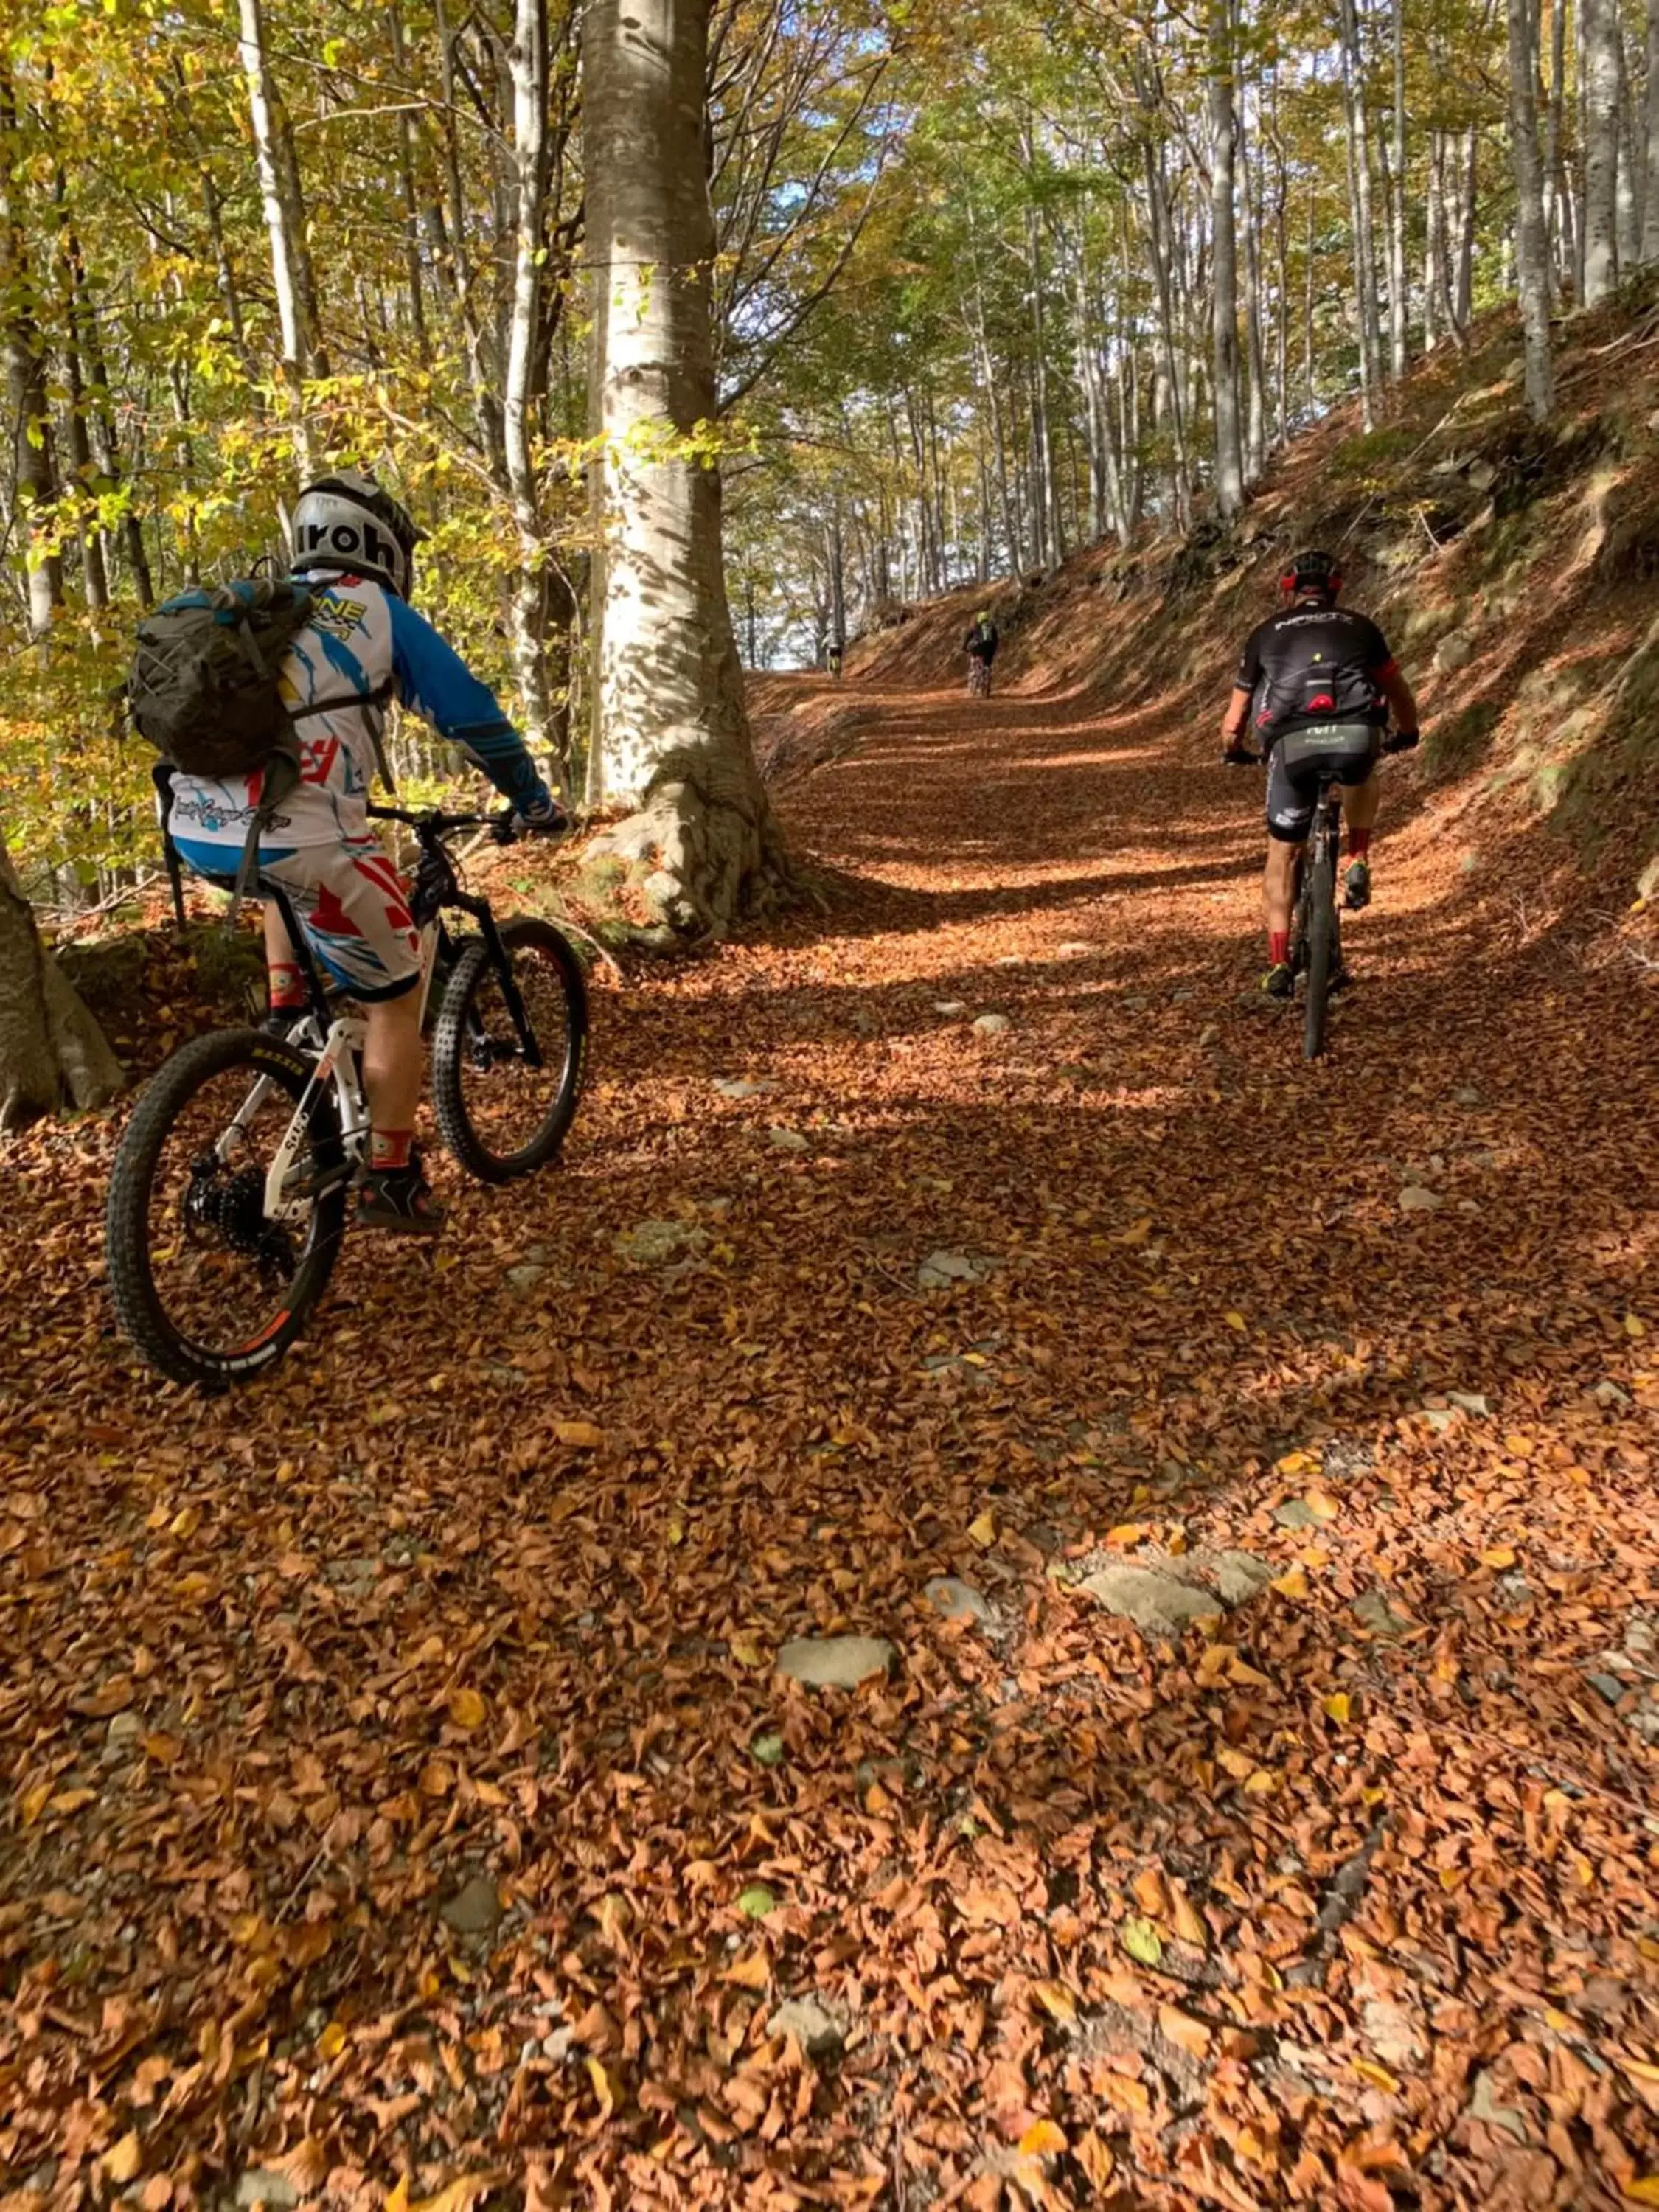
<point x="402" y="1794"/>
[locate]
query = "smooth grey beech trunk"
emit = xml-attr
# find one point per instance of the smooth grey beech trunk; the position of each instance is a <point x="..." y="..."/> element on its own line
<point x="1224" y="297"/>
<point x="1531" y="239"/>
<point x="52" y="1051"/>
<point x="671" y="733"/>
<point x="1601" y="37"/>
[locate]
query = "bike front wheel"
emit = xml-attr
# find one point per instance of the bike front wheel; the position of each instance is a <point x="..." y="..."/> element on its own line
<point x="211" y="1286"/>
<point x="505" y="1081"/>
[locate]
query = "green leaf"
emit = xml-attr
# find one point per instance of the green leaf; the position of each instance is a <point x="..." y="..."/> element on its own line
<point x="756" y="1901"/>
<point x="767" y="1750"/>
<point x="1141" y="1941"/>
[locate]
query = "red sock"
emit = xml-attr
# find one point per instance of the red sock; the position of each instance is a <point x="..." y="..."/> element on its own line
<point x="285" y="985"/>
<point x="390" y="1148"/>
<point x="1359" y="843"/>
<point x="1278" y="946"/>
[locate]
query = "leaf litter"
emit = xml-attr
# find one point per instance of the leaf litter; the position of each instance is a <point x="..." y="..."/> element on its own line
<point x="404" y="1806"/>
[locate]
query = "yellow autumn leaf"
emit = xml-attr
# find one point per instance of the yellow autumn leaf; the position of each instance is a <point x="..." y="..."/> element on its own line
<point x="1640" y="2069"/>
<point x="747" y="1652"/>
<point x="332" y="2041"/>
<point x="1240" y="1672"/>
<point x="983" y="1530"/>
<point x="1338" y="1707"/>
<point x="1239" y="1764"/>
<point x="466" y="1708"/>
<point x="1635" y="1328"/>
<point x="123" y="2159"/>
<point x="1126" y="1534"/>
<point x="1189" y="1923"/>
<point x="1236" y="1321"/>
<point x="1644" y="2191"/>
<point x="1296" y="1462"/>
<point x="1323" y="1505"/>
<point x="1096" y="2160"/>
<point x="1043" y="2139"/>
<point x="1518" y="1446"/>
<point x="34" y="1803"/>
<point x="1378" y="2077"/>
<point x="1056" y="2000"/>
<point x="185" y="1522"/>
<point x="1293" y="1584"/>
<point x="579" y="1436"/>
<point x="750" y="1973"/>
<point x="398" y="2198"/>
<point x="602" y="2085"/>
<point x="1501" y="1555"/>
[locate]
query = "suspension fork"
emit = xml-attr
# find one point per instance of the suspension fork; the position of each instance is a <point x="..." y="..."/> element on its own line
<point x="481" y="913"/>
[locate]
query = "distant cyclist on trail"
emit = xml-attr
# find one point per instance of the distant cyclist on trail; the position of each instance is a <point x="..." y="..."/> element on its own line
<point x="981" y="646"/>
<point x="364" y="645"/>
<point x="1315" y="667"/>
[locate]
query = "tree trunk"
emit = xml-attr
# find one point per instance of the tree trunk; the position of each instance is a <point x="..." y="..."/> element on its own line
<point x="1600" y="149"/>
<point x="52" y="1051"/>
<point x="1360" y="185"/>
<point x="1399" y="294"/>
<point x="1255" y="418"/>
<point x="412" y="271"/>
<point x="528" y="610"/>
<point x="1223" y="294"/>
<point x="268" y="161"/>
<point x="1531" y="243"/>
<point x="1630" y="207"/>
<point x="26" y="382"/>
<point x="673" y="730"/>
<point x="1650" y="142"/>
<point x="1463" y="260"/>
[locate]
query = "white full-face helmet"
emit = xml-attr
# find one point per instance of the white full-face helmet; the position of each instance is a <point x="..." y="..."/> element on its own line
<point x="348" y="523"/>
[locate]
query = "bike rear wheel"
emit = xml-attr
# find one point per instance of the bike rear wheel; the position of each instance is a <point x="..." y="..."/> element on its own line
<point x="504" y="1110"/>
<point x="210" y="1287"/>
<point x="1320" y="892"/>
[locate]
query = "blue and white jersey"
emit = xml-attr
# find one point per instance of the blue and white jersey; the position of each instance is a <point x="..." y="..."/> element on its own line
<point x="362" y="643"/>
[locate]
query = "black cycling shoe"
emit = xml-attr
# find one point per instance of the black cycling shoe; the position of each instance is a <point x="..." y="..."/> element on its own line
<point x="1279" y="981"/>
<point x="399" y="1200"/>
<point x="1357" y="887"/>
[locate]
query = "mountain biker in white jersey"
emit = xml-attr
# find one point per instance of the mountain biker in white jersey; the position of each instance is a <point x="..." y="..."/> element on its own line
<point x="355" y="545"/>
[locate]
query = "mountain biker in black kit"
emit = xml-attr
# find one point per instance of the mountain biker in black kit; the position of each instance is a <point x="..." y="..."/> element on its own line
<point x="1314" y="665"/>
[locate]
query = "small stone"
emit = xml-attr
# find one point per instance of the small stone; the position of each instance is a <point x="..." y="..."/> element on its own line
<point x="1373" y="1610"/>
<point x="1414" y="1199"/>
<point x="475" y="1909"/>
<point x="787" y="1140"/>
<point x="1208" y="1034"/>
<point x="1073" y="945"/>
<point x="835" y="1662"/>
<point x="1604" y="1393"/>
<point x="1149" y="1599"/>
<point x="654" y="1243"/>
<point x="1295" y="1513"/>
<point x="123" y="1731"/>
<point x="992" y="1025"/>
<point x="950" y="1008"/>
<point x="817" y="2030"/>
<point x="1440" y="1419"/>
<point x="1393" y="2034"/>
<point x="742" y="1086"/>
<point x="1454" y="651"/>
<point x="522" y="1279"/>
<point x="1471" y="1402"/>
<point x="1484" y="2105"/>
<point x="957" y="1600"/>
<point x="262" y="2184"/>
<point x="1608" y="1686"/>
<point x="1010" y="960"/>
<point x="940" y="1269"/>
<point x="1467" y="1097"/>
<point x="559" y="2044"/>
<point x="1238" y="1575"/>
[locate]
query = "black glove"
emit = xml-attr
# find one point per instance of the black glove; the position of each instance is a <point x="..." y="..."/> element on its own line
<point x="1403" y="741"/>
<point x="1237" y="754"/>
<point x="547" y="820"/>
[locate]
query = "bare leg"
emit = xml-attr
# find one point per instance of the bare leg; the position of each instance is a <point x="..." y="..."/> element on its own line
<point x="1361" y="801"/>
<point x="285" y="982"/>
<point x="1279" y="888"/>
<point x="392" y="1064"/>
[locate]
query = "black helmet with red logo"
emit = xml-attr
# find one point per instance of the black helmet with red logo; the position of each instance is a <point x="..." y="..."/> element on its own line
<point x="1312" y="571"/>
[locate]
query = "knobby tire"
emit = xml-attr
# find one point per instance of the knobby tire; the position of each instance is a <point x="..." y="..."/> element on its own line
<point x="1320" y="943"/>
<point x="139" y="1304"/>
<point x="472" y="979"/>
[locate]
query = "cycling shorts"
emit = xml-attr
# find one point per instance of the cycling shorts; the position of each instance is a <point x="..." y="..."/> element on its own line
<point x="351" y="903"/>
<point x="1294" y="769"/>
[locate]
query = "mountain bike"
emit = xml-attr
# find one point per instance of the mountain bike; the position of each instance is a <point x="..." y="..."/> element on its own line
<point x="979" y="678"/>
<point x="227" y="1199"/>
<point x="1317" y="922"/>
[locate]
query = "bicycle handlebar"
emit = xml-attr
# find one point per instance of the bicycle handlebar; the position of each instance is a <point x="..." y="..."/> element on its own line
<point x="431" y="822"/>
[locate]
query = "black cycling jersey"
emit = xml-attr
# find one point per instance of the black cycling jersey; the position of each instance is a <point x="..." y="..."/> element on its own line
<point x="1314" y="664"/>
<point x="982" y="641"/>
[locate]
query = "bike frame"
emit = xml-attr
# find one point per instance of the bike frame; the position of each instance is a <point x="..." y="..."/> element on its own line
<point x="337" y="1039"/>
<point x="1327" y="831"/>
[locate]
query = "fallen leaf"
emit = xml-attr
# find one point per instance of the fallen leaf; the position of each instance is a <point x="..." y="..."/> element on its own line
<point x="603" y="2088"/>
<point x="466" y="1708"/>
<point x="1338" y="1707"/>
<point x="1236" y="1321"/>
<point x="579" y="1436"/>
<point x="756" y="1901"/>
<point x="1142" y="1940"/>
<point x="1043" y="2139"/>
<point x="1501" y="1555"/>
<point x="983" y="1530"/>
<point x="121" y="2160"/>
<point x="1056" y="2000"/>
